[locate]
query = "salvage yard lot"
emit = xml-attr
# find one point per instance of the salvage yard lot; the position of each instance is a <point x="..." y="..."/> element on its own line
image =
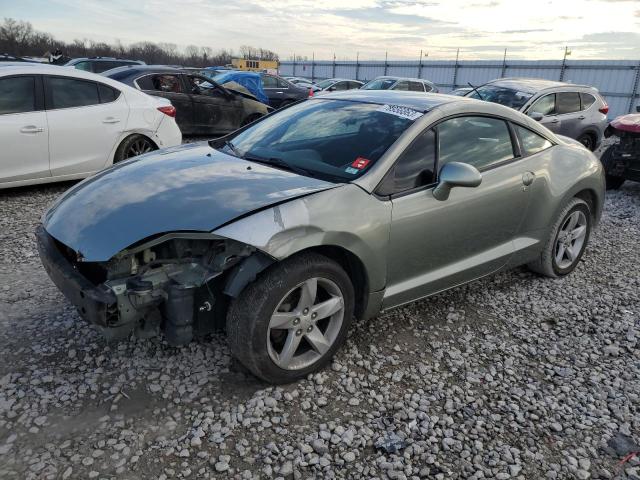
<point x="514" y="376"/>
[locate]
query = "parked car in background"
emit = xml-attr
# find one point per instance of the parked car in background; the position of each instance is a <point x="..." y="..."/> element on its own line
<point x="400" y="83"/>
<point x="203" y="107"/>
<point x="621" y="160"/>
<point x="57" y="124"/>
<point x="337" y="85"/>
<point x="277" y="91"/>
<point x="576" y="111"/>
<point x="100" y="64"/>
<point x="296" y="80"/>
<point x="337" y="207"/>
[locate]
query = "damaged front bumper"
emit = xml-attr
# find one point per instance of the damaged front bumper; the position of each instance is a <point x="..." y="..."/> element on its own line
<point x="179" y="283"/>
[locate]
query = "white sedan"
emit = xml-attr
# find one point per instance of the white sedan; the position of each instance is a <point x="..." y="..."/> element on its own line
<point x="60" y="124"/>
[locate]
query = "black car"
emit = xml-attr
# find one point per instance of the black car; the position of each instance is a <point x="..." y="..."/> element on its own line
<point x="282" y="92"/>
<point x="100" y="64"/>
<point x="202" y="106"/>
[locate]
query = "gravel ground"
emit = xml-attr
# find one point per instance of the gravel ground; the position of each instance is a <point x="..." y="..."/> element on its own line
<point x="515" y="376"/>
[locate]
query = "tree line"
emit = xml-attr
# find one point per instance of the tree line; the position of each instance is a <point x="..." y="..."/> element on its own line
<point x="19" y="39"/>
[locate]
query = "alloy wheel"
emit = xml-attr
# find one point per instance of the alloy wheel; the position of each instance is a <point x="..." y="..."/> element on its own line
<point x="570" y="239"/>
<point x="305" y="324"/>
<point x="139" y="147"/>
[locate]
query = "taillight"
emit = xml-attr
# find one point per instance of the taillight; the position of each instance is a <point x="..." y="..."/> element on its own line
<point x="604" y="109"/>
<point x="168" y="110"/>
<point x="310" y="92"/>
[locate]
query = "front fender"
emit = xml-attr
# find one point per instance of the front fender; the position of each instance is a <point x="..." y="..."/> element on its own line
<point x="345" y="217"/>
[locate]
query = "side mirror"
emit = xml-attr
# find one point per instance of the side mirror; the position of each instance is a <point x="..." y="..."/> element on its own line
<point x="537" y="116"/>
<point x="456" y="174"/>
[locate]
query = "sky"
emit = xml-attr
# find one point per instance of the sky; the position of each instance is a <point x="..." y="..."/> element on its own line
<point x="481" y="29"/>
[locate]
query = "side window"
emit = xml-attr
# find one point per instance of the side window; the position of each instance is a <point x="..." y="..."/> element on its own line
<point x="415" y="167"/>
<point x="269" y="82"/>
<point x="160" y="83"/>
<point x="282" y="83"/>
<point x="531" y="142"/>
<point x="86" y="66"/>
<point x="340" y="86"/>
<point x="107" y="94"/>
<point x="353" y="85"/>
<point x="427" y="87"/>
<point x="416" y="87"/>
<point x="545" y="105"/>
<point x="587" y="100"/>
<point x="478" y="141"/>
<point x="402" y="85"/>
<point x="17" y="95"/>
<point x="70" y="93"/>
<point x="567" y="102"/>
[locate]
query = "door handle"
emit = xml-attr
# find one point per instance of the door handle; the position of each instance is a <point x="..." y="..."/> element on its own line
<point x="31" y="129"/>
<point x="582" y="117"/>
<point x="111" y="120"/>
<point x="279" y="92"/>
<point x="528" y="178"/>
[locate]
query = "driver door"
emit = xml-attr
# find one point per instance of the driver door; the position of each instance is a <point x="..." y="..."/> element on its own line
<point x="434" y="244"/>
<point x="214" y="112"/>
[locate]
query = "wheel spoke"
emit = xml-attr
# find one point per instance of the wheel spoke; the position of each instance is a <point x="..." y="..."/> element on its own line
<point x="578" y="232"/>
<point x="573" y="221"/>
<point x="290" y="347"/>
<point x="327" y="308"/>
<point x="282" y="320"/>
<point x="560" y="253"/>
<point x="572" y="252"/>
<point x="308" y="292"/>
<point x="317" y="340"/>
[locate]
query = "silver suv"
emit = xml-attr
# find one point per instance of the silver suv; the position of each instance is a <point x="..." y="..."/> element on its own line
<point x="400" y="83"/>
<point x="575" y="111"/>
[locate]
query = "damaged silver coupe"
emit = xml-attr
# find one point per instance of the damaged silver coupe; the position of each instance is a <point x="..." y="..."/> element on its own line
<point x="338" y="207"/>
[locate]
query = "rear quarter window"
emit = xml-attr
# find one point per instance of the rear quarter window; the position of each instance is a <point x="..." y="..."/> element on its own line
<point x="587" y="100"/>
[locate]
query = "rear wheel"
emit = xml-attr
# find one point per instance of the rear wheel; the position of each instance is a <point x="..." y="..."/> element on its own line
<point x="588" y="141"/>
<point x="567" y="241"/>
<point x="292" y="319"/>
<point x="613" y="182"/>
<point x="133" y="146"/>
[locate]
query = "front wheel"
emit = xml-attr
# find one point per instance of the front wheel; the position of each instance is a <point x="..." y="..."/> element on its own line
<point x="613" y="181"/>
<point x="292" y="319"/>
<point x="567" y="241"/>
<point x="588" y="141"/>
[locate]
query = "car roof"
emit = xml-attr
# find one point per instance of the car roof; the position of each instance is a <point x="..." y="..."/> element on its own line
<point x="135" y="69"/>
<point x="533" y="85"/>
<point x="391" y="77"/>
<point x="102" y="59"/>
<point x="415" y="100"/>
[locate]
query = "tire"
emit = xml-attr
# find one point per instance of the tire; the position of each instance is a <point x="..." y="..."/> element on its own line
<point x="588" y="141"/>
<point x="132" y="146"/>
<point x="251" y="118"/>
<point x="557" y="259"/>
<point x="613" y="182"/>
<point x="259" y="341"/>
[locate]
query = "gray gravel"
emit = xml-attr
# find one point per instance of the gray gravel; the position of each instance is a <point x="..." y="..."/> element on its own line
<point x="512" y="377"/>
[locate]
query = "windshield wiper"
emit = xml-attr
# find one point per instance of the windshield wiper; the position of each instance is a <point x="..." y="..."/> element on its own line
<point x="278" y="162"/>
<point x="475" y="90"/>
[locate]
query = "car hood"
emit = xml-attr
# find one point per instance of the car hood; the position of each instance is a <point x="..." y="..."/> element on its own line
<point x="188" y="188"/>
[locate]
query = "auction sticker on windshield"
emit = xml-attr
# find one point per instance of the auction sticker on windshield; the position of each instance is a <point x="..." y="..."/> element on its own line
<point x="400" y="111"/>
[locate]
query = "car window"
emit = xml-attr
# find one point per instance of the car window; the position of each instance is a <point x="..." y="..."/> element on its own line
<point x="269" y="82"/>
<point x="161" y="83"/>
<point x="86" y="66"/>
<point x="107" y="94"/>
<point x="416" y="165"/>
<point x="478" y="141"/>
<point x="17" y="95"/>
<point x="337" y="140"/>
<point x="282" y="83"/>
<point x="341" y="86"/>
<point x="545" y="105"/>
<point x="379" y="84"/>
<point x="587" y="100"/>
<point x="567" y="102"/>
<point x="353" y="85"/>
<point x="70" y="93"/>
<point x="531" y="142"/>
<point x="99" y="67"/>
<point x="402" y="85"/>
<point x="416" y="87"/>
<point x="509" y="97"/>
<point x="427" y="87"/>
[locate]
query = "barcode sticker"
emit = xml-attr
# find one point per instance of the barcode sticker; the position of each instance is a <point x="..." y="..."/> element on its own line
<point x="400" y="111"/>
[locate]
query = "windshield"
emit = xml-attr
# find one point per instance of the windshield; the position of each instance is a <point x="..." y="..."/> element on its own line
<point x="336" y="140"/>
<point x="502" y="95"/>
<point x="379" y="84"/>
<point x="325" y="84"/>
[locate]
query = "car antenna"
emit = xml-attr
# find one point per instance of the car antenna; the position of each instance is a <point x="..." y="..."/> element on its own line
<point x="475" y="90"/>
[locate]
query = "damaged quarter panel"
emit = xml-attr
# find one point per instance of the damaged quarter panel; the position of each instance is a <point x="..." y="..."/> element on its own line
<point x="345" y="217"/>
<point x="189" y="189"/>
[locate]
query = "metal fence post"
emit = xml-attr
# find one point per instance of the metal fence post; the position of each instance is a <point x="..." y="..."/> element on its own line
<point x="455" y="71"/>
<point x="385" y="62"/>
<point x="634" y="92"/>
<point x="333" y="70"/>
<point x="357" y="64"/>
<point x="293" y="74"/>
<point x="313" y="65"/>
<point x="420" y="66"/>
<point x="504" y="64"/>
<point x="564" y="63"/>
